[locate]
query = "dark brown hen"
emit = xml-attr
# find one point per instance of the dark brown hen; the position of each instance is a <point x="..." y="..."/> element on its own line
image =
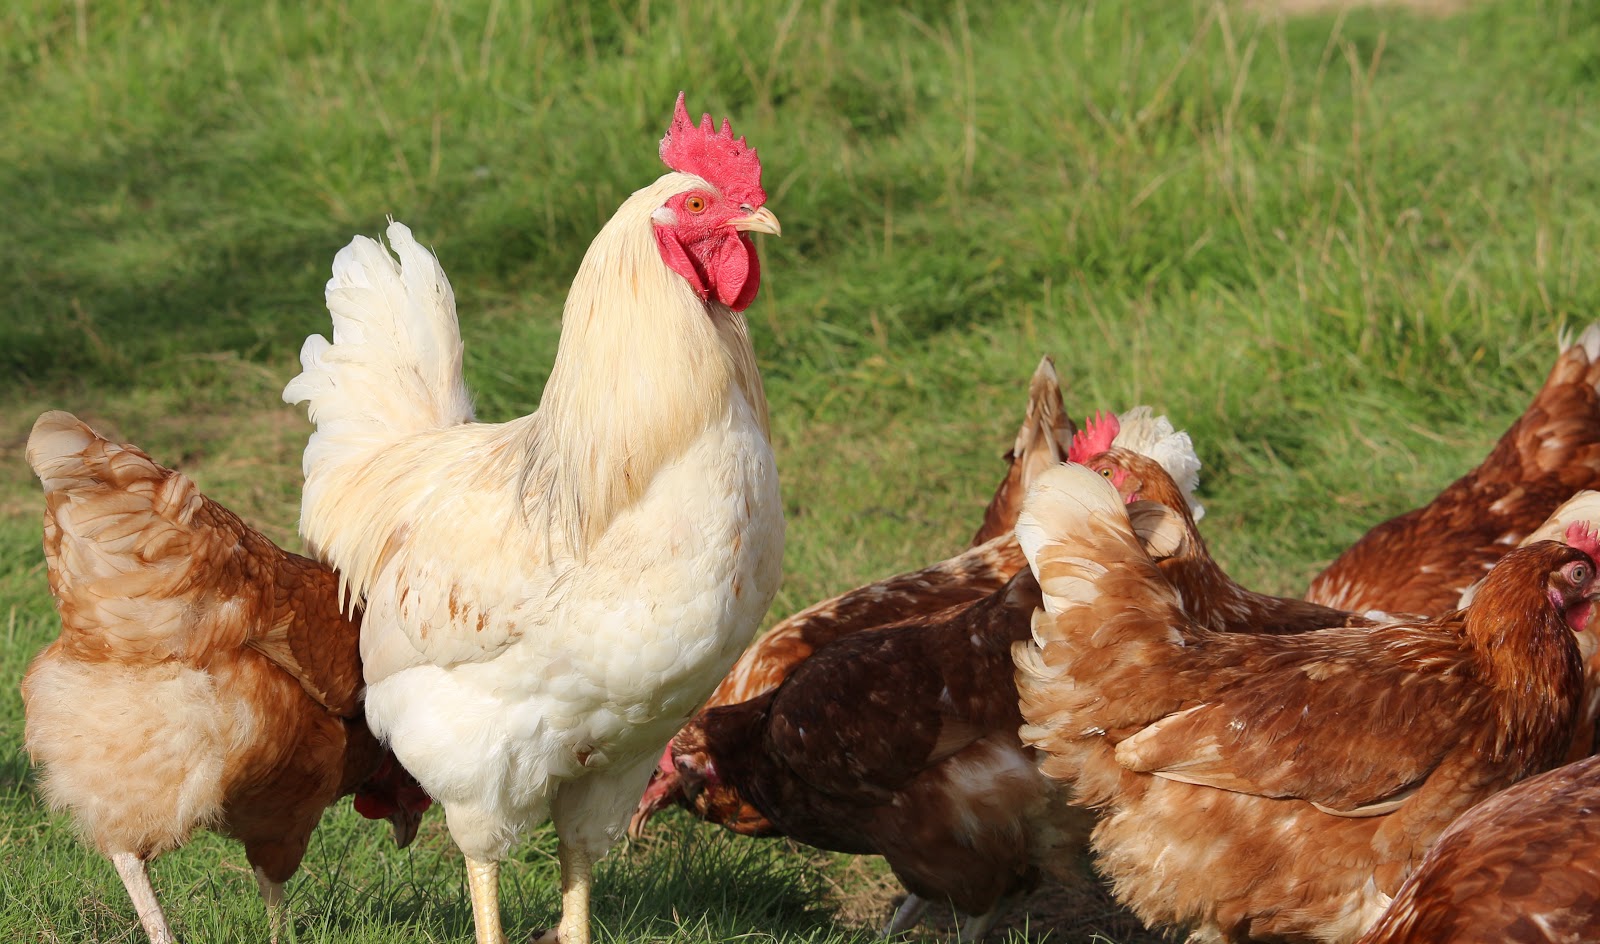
<point x="902" y="742"/>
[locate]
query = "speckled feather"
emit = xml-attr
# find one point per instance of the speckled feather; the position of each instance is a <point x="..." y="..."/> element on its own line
<point x="1420" y="561"/>
<point x="1274" y="786"/>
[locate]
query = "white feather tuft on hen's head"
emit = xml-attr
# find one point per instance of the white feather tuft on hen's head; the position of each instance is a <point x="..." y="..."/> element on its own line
<point x="1154" y="436"/>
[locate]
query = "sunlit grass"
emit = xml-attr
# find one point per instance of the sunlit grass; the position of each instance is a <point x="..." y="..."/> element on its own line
<point x="1336" y="249"/>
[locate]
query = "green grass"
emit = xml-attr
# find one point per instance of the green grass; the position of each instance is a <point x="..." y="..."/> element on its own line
<point x="1336" y="249"/>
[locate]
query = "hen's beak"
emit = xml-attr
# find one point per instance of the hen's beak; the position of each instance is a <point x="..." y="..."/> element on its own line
<point x="760" y="221"/>
<point x="405" y="824"/>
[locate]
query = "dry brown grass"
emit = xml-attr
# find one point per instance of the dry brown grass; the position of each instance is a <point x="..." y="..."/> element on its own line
<point x="866" y="894"/>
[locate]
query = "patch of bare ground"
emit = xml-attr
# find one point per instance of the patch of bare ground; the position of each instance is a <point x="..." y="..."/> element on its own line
<point x="1076" y="912"/>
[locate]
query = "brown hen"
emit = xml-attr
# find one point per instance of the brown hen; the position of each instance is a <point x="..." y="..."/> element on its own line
<point x="1421" y="561"/>
<point x="1278" y="787"/>
<point x="203" y="678"/>
<point x="1522" y="867"/>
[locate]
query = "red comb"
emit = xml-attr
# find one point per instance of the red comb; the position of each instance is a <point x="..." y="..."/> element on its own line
<point x="1583" y="537"/>
<point x="726" y="162"/>
<point x="1095" y="437"/>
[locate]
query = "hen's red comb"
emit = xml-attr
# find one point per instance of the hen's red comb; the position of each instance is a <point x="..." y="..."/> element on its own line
<point x="1583" y="537"/>
<point x="1095" y="437"/>
<point x="726" y="162"/>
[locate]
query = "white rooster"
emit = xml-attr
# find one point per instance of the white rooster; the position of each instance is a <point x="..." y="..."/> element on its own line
<point x="549" y="599"/>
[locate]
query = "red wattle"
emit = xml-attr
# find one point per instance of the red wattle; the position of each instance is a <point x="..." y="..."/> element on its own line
<point x="748" y="275"/>
<point x="678" y="260"/>
<point x="372" y="807"/>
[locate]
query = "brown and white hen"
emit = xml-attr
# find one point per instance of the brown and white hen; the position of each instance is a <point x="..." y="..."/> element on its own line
<point x="203" y="679"/>
<point x="1278" y="786"/>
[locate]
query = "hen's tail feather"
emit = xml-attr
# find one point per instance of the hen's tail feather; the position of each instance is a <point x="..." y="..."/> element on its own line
<point x="1041" y="442"/>
<point x="1106" y="607"/>
<point x="116" y="532"/>
<point x="1086" y="552"/>
<point x="394" y="366"/>
<point x="66" y="454"/>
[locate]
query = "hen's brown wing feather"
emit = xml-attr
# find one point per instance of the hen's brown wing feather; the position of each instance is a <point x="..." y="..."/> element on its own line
<point x="1343" y="718"/>
<point x="310" y="637"/>
<point x="971" y="575"/>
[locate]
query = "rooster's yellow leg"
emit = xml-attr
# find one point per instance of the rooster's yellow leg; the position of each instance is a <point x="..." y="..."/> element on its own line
<point x="575" y="871"/>
<point x="137" y="881"/>
<point x="483" y="879"/>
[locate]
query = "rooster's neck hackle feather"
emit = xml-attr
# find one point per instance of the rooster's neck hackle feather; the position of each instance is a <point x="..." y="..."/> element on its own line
<point x="643" y="367"/>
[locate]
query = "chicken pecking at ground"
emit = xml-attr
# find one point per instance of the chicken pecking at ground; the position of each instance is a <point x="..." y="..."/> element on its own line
<point x="901" y="740"/>
<point x="1278" y="787"/>
<point x="549" y="599"/>
<point x="1421" y="561"/>
<point x="1522" y="867"/>
<point x="1041" y="442"/>
<point x="204" y="678"/>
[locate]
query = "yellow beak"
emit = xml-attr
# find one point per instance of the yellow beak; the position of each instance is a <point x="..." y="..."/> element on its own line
<point x="761" y="221"/>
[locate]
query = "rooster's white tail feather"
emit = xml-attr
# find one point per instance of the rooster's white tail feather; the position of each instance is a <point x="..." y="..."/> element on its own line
<point x="394" y="367"/>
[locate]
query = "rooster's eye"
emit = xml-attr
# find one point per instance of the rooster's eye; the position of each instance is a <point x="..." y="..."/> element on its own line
<point x="1106" y="472"/>
<point x="695" y="204"/>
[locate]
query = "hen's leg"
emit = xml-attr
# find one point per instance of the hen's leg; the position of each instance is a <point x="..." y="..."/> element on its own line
<point x="976" y="926"/>
<point x="272" y="897"/>
<point x="906" y="916"/>
<point x="137" y="881"/>
<point x="483" y="879"/>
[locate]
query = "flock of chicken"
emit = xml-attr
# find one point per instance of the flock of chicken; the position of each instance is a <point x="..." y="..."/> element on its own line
<point x="515" y="619"/>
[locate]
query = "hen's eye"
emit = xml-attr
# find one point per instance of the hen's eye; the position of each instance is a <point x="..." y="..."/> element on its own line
<point x="1579" y="573"/>
<point x="695" y="204"/>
